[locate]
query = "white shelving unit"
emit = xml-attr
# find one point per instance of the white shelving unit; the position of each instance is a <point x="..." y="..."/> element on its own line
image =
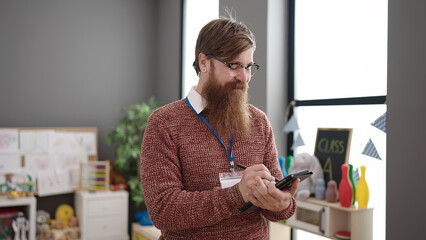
<point x="29" y="208"/>
<point x="325" y="219"/>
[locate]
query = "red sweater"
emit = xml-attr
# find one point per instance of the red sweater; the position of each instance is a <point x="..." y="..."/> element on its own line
<point x="180" y="164"/>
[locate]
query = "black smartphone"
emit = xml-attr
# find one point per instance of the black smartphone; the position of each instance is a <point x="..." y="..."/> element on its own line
<point x="283" y="184"/>
<point x="286" y="182"/>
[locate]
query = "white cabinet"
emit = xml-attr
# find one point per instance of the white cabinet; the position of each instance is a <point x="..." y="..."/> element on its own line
<point x="29" y="208"/>
<point x="102" y="215"/>
<point x="325" y="219"/>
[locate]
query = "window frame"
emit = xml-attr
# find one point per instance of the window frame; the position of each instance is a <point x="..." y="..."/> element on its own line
<point x="312" y="102"/>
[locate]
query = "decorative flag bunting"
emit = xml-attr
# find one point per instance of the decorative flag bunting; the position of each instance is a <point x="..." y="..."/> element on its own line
<point x="370" y="150"/>
<point x="380" y="123"/>
<point x="298" y="142"/>
<point x="291" y="125"/>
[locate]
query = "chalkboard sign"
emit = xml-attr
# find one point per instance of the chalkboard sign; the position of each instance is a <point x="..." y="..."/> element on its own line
<point x="332" y="150"/>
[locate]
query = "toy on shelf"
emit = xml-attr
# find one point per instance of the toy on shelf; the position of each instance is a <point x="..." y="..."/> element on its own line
<point x="65" y="224"/>
<point x="16" y="185"/>
<point x="344" y="235"/>
<point x="72" y="232"/>
<point x="43" y="231"/>
<point x="331" y="194"/>
<point x="58" y="232"/>
<point x="63" y="213"/>
<point x="94" y="176"/>
<point x="116" y="180"/>
<point x="320" y="189"/>
<point x="20" y="226"/>
<point x="345" y="188"/>
<point x="143" y="218"/>
<point x="7" y="215"/>
<point x="362" y="192"/>
<point x="46" y="232"/>
<point x="351" y="178"/>
<point x="281" y="161"/>
<point x="63" y="227"/>
<point x="288" y="162"/>
<point x="306" y="161"/>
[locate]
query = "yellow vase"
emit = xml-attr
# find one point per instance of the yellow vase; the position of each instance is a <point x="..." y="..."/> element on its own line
<point x="362" y="193"/>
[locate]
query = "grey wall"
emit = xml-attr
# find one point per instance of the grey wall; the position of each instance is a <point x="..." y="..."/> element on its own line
<point x="75" y="63"/>
<point x="254" y="14"/>
<point x="168" y="52"/>
<point x="406" y="121"/>
<point x="267" y="20"/>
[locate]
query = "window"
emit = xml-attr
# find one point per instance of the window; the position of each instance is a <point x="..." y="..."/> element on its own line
<point x="197" y="13"/>
<point x="339" y="76"/>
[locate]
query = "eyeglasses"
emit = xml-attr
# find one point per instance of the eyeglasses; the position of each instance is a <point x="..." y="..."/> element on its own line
<point x="252" y="67"/>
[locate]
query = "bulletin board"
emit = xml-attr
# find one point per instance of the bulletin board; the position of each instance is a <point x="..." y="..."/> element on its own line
<point x="332" y="147"/>
<point x="50" y="157"/>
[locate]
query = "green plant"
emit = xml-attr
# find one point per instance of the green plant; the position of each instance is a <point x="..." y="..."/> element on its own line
<point x="127" y="139"/>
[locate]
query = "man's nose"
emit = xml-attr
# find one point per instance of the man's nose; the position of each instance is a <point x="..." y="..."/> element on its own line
<point x="244" y="75"/>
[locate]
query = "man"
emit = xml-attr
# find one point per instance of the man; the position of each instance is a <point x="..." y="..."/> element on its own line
<point x="191" y="147"/>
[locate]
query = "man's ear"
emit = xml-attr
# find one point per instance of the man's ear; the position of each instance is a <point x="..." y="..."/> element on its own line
<point x="202" y="61"/>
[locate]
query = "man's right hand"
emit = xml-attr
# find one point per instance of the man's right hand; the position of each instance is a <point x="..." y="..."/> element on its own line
<point x="248" y="183"/>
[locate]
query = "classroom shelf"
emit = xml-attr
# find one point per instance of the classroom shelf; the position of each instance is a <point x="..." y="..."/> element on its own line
<point x="28" y="205"/>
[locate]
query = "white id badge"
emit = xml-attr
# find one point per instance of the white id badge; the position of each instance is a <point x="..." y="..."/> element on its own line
<point x="228" y="179"/>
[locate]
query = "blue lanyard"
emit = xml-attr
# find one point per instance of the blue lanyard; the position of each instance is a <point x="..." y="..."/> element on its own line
<point x="231" y="158"/>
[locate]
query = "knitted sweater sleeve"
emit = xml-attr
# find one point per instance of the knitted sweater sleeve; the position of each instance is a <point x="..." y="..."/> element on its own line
<point x="271" y="162"/>
<point x="170" y="206"/>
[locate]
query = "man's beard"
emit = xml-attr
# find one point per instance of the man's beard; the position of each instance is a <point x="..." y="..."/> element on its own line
<point x="227" y="108"/>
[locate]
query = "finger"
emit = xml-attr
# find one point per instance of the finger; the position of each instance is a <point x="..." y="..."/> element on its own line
<point x="262" y="193"/>
<point x="254" y="201"/>
<point x="294" y="186"/>
<point x="261" y="186"/>
<point x="273" y="191"/>
<point x="262" y="174"/>
<point x="292" y="189"/>
<point x="258" y="168"/>
<point x="282" y="198"/>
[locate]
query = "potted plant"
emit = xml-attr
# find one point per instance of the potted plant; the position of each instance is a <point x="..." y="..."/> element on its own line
<point x="127" y="139"/>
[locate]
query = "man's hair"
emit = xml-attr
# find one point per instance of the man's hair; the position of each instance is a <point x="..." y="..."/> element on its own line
<point x="225" y="38"/>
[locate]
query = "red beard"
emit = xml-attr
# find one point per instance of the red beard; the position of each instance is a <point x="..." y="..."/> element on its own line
<point x="227" y="107"/>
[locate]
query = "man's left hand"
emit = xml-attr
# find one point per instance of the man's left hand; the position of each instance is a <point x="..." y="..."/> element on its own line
<point x="265" y="195"/>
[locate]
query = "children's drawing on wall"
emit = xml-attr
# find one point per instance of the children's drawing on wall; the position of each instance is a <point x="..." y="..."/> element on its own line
<point x="69" y="165"/>
<point x="51" y="183"/>
<point x="9" y="141"/>
<point x="10" y="163"/>
<point x="49" y="157"/>
<point x="87" y="140"/>
<point x="75" y="142"/>
<point x="36" y="141"/>
<point x="66" y="143"/>
<point x="35" y="163"/>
